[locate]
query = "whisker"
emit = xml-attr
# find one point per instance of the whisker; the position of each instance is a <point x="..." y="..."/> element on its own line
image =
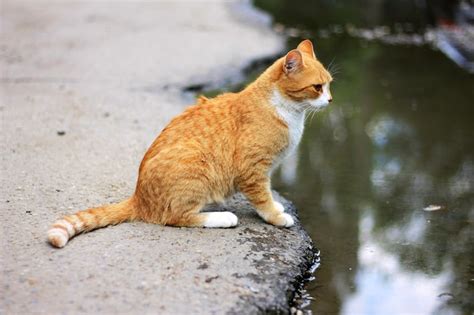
<point x="312" y="116"/>
<point x="307" y="117"/>
<point x="334" y="68"/>
<point x="334" y="72"/>
<point x="310" y="109"/>
<point x="331" y="63"/>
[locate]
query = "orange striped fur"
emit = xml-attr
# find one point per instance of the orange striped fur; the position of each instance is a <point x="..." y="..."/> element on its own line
<point x="217" y="147"/>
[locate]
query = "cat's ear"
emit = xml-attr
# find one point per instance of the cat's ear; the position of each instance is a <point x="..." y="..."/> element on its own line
<point x="306" y="46"/>
<point x="293" y="61"/>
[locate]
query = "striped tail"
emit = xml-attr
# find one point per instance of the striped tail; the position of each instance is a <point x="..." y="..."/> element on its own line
<point x="87" y="220"/>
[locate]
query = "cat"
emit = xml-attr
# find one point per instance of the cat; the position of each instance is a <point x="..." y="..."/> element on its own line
<point x="220" y="146"/>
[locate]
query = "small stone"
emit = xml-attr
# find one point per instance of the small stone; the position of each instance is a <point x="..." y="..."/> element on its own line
<point x="61" y="132"/>
<point x="203" y="266"/>
<point x="209" y="279"/>
<point x="254" y="290"/>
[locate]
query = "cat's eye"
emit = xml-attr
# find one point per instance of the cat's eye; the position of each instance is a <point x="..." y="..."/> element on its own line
<point x="318" y="87"/>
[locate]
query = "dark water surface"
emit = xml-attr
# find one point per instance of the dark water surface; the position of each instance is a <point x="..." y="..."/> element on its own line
<point x="398" y="138"/>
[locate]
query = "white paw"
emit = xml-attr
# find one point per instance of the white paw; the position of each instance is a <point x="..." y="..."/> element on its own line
<point x="289" y="221"/>
<point x="279" y="206"/>
<point x="220" y="220"/>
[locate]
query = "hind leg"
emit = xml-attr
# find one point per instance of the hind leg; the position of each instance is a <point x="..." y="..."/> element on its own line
<point x="192" y="217"/>
<point x="224" y="219"/>
<point x="178" y="200"/>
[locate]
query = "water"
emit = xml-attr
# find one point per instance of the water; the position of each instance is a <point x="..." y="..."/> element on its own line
<point x="398" y="138"/>
<point x="384" y="178"/>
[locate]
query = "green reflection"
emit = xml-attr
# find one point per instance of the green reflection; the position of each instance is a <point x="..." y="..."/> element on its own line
<point x="399" y="137"/>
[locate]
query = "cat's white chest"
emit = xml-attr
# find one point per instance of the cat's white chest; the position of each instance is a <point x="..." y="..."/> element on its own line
<point x="295" y="121"/>
<point x="295" y="130"/>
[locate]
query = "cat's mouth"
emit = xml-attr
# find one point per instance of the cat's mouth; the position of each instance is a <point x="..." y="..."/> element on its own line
<point x="319" y="103"/>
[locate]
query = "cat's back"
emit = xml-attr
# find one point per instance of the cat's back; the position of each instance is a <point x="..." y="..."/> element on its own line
<point x="206" y="116"/>
<point x="207" y="128"/>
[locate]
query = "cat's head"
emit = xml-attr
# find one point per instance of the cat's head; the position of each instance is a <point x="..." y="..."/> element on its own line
<point x="304" y="79"/>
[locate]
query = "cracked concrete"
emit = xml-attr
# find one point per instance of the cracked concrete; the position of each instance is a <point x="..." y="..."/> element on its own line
<point x="85" y="88"/>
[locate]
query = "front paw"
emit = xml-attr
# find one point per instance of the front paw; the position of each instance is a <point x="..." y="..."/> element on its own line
<point x="279" y="207"/>
<point x="283" y="219"/>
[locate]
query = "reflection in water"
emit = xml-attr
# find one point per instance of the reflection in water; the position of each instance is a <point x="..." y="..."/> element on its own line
<point x="398" y="138"/>
<point x="378" y="269"/>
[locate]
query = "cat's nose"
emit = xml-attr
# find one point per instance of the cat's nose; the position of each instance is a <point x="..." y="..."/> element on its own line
<point x="330" y="100"/>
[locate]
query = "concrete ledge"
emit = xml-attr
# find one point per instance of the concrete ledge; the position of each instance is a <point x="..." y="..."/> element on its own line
<point x="279" y="259"/>
<point x="141" y="268"/>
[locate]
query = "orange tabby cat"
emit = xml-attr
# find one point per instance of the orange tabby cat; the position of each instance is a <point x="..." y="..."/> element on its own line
<point x="218" y="147"/>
